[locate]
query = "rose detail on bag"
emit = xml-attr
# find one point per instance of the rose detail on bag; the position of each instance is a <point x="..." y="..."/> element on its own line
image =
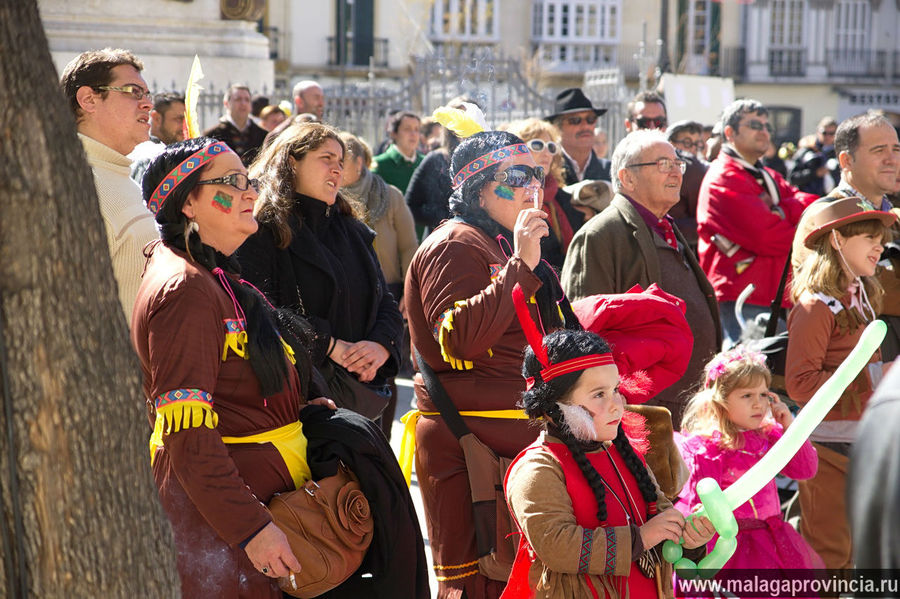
<point x="353" y="512"/>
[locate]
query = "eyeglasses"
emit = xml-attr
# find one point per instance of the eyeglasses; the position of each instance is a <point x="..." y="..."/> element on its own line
<point x="576" y="120"/>
<point x="656" y="122"/>
<point x="663" y="165"/>
<point x="135" y="91"/>
<point x="759" y="126"/>
<point x="536" y="145"/>
<point x="829" y="133"/>
<point x="237" y="180"/>
<point x="688" y="145"/>
<point x="520" y="175"/>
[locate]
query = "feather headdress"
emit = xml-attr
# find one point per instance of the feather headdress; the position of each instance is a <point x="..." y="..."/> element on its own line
<point x="192" y="92"/>
<point x="464" y="123"/>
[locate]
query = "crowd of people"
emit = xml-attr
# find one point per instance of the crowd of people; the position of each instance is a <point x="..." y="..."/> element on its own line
<point x="274" y="262"/>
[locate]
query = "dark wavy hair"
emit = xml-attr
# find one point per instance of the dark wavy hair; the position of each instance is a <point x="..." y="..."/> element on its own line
<point x="266" y="352"/>
<point x="543" y="398"/>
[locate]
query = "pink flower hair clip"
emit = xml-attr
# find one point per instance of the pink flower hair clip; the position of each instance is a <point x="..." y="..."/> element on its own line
<point x="721" y="362"/>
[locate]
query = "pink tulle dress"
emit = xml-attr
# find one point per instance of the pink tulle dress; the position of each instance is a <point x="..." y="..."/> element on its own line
<point x="765" y="540"/>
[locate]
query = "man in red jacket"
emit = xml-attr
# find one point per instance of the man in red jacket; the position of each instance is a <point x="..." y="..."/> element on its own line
<point x="746" y="217"/>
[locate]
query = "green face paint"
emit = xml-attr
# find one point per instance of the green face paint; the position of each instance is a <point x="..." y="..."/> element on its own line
<point x="222" y="201"/>
<point x="504" y="192"/>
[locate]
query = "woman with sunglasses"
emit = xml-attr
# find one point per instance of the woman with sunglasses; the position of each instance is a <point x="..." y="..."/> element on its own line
<point x="216" y="370"/>
<point x="312" y="255"/>
<point x="462" y="322"/>
<point x="542" y="138"/>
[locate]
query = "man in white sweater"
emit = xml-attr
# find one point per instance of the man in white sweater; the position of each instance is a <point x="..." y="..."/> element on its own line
<point x="111" y="104"/>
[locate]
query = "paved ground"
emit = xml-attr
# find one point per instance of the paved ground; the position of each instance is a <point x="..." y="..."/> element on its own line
<point x="404" y="401"/>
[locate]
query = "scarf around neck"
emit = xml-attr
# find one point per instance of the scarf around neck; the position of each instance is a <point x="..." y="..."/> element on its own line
<point x="762" y="177"/>
<point x="371" y="192"/>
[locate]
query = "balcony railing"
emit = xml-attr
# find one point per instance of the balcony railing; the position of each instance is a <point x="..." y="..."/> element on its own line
<point x="857" y="63"/>
<point x="379" y="53"/>
<point x="787" y="62"/>
<point x="732" y="63"/>
<point x="576" y="58"/>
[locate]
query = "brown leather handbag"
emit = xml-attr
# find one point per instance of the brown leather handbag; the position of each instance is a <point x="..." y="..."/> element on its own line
<point x="329" y="526"/>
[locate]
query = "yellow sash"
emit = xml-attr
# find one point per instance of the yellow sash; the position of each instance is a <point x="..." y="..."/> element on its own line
<point x="289" y="440"/>
<point x="409" y="420"/>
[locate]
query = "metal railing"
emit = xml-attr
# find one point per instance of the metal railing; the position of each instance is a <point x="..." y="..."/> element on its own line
<point x="787" y="62"/>
<point x="379" y="52"/>
<point x="732" y="63"/>
<point x="856" y="63"/>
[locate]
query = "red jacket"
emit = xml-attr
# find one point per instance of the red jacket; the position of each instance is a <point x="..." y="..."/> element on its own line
<point x="730" y="205"/>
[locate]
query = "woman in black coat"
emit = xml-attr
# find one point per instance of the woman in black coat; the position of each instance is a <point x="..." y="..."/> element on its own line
<point x="312" y="255"/>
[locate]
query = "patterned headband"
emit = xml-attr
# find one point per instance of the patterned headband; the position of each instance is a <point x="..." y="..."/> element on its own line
<point x="720" y="363"/>
<point x="486" y="160"/>
<point x="177" y="174"/>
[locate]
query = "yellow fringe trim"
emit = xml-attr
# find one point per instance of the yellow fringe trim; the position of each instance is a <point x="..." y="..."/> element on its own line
<point x="456" y="577"/>
<point x="457" y="567"/>
<point x="288" y="350"/>
<point x="444" y="340"/>
<point x="177" y="416"/>
<point x="408" y="440"/>
<point x="290" y="442"/>
<point x="238" y="344"/>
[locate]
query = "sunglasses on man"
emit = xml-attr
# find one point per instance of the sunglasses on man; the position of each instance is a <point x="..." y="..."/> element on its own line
<point x="759" y="126"/>
<point x="576" y="120"/>
<point x="520" y="175"/>
<point x="651" y="122"/>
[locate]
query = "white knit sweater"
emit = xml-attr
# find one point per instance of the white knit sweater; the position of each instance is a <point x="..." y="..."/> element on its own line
<point x="129" y="225"/>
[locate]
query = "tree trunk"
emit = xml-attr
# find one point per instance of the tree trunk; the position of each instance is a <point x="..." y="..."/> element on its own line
<point x="80" y="513"/>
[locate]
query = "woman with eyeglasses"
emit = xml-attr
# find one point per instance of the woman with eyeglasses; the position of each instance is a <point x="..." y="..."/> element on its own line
<point x="216" y="370"/>
<point x="542" y="139"/>
<point x="313" y="256"/>
<point x="462" y="322"/>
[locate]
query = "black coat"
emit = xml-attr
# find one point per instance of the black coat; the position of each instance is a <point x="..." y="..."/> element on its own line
<point x="300" y="277"/>
<point x="396" y="558"/>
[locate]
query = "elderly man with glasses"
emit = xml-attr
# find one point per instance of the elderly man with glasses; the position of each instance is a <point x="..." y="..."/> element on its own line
<point x="111" y="105"/>
<point x="635" y="242"/>
<point x="746" y="217"/>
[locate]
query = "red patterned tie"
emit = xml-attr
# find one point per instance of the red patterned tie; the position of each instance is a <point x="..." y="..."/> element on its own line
<point x="668" y="233"/>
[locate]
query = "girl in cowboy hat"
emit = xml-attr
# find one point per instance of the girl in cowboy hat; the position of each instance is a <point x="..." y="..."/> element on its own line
<point x="835" y="295"/>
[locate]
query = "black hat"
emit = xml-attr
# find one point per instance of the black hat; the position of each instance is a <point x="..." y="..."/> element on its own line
<point x="572" y="100"/>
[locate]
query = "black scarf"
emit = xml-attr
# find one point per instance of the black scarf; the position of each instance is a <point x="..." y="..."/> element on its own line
<point x="762" y="177"/>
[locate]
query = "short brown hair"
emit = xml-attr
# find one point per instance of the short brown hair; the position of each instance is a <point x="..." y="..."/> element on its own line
<point x="93" y="69"/>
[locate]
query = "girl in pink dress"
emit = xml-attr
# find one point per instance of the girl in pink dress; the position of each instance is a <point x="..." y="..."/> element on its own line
<point x="728" y="427"/>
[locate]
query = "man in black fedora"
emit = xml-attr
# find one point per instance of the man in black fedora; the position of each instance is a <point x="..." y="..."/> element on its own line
<point x="576" y="116"/>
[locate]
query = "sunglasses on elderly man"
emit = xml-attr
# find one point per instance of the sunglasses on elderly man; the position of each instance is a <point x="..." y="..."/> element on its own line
<point x="237" y="180"/>
<point x="576" y="120"/>
<point x="536" y="145"/>
<point x="520" y="175"/>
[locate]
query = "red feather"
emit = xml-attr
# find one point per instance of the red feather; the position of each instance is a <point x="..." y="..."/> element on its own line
<point x="534" y="337"/>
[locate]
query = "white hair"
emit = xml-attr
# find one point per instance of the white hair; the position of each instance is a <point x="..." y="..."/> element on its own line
<point x="629" y="150"/>
<point x="303" y="86"/>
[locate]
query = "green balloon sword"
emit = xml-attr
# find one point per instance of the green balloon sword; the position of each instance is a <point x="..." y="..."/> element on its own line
<point x="719" y="506"/>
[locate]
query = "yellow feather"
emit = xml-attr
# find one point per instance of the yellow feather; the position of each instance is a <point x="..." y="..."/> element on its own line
<point x="457" y="121"/>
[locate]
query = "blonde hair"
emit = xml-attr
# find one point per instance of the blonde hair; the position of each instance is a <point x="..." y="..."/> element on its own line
<point x="707" y="411"/>
<point x="532" y="128"/>
<point x="822" y="270"/>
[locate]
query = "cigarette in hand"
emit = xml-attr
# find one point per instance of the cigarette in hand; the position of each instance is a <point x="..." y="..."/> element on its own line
<point x="537" y="200"/>
<point x="293" y="581"/>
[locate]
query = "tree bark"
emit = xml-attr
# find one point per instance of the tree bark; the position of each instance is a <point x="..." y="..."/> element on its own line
<point x="80" y="513"/>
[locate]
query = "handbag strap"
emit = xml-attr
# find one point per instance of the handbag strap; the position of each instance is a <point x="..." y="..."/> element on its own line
<point x="778" y="300"/>
<point x="441" y="400"/>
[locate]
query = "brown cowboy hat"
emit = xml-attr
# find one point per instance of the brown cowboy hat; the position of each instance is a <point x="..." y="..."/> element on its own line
<point x="572" y="100"/>
<point x="831" y="215"/>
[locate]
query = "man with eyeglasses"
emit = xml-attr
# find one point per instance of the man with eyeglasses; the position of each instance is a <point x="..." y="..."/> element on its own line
<point x="634" y="241"/>
<point x="816" y="169"/>
<point x="746" y="217"/>
<point x="575" y="117"/>
<point x="236" y="128"/>
<point x="686" y="137"/>
<point x="111" y="105"/>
